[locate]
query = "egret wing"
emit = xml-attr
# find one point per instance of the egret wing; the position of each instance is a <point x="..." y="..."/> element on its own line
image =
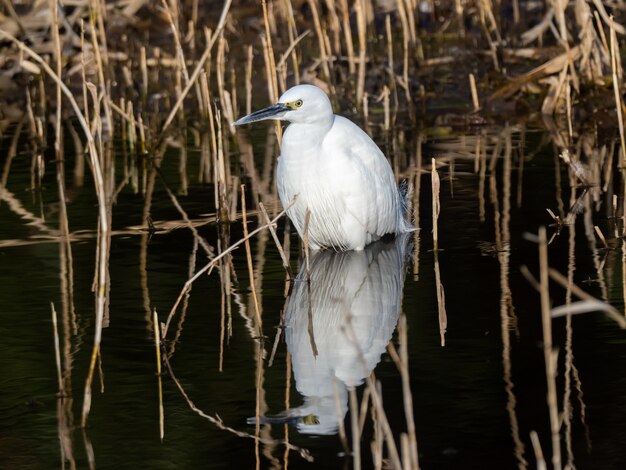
<point x="367" y="184"/>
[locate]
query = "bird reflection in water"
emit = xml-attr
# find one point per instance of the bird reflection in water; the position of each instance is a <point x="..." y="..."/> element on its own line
<point x="338" y="326"/>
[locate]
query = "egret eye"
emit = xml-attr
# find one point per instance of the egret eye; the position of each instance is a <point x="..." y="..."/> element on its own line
<point x="298" y="103"/>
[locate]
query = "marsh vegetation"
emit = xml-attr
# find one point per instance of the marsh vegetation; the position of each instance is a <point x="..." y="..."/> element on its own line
<point x="158" y="310"/>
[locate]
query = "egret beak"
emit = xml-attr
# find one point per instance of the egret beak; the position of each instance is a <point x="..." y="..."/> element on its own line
<point x="276" y="111"/>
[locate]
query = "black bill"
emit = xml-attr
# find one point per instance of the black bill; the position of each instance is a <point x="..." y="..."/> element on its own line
<point x="276" y="111"/>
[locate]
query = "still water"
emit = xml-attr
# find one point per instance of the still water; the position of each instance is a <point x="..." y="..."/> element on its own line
<point x="473" y="321"/>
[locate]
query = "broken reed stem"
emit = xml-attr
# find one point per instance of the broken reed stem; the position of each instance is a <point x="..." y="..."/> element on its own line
<point x="157" y="344"/>
<point x="257" y="310"/>
<point x="616" y="89"/>
<point x="549" y="355"/>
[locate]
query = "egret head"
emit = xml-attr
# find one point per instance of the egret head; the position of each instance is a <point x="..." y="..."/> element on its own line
<point x="300" y="104"/>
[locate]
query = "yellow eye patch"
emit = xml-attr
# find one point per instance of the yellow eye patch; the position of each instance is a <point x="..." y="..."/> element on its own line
<point x="294" y="104"/>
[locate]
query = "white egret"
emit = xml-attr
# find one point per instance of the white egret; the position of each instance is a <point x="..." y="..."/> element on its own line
<point x="334" y="170"/>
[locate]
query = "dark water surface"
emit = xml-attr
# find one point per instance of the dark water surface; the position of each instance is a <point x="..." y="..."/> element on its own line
<point x="476" y="399"/>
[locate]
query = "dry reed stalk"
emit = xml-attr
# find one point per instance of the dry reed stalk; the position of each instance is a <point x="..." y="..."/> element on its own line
<point x="157" y="344"/>
<point x="293" y="33"/>
<point x="441" y="303"/>
<point x="290" y="51"/>
<point x="385" y="97"/>
<point x="600" y="28"/>
<point x="377" y="403"/>
<point x="287" y="403"/>
<point x="616" y="89"/>
<point x="283" y="257"/>
<point x="219" y="177"/>
<point x="378" y="440"/>
<point x="54" y="6"/>
<point x="333" y="21"/>
<point x="549" y="354"/>
<point x="356" y="435"/>
<point x="363" y="410"/>
<point x="568" y="107"/>
<point x="405" y="56"/>
<point x="205" y="104"/>
<point x="340" y="420"/>
<point x="435" y="184"/>
<point x="257" y="310"/>
<point x="143" y="67"/>
<point x="474" y="92"/>
<point x="57" y="350"/>
<point x="601" y="236"/>
<point x="180" y="56"/>
<point x="220" y="71"/>
<point x="305" y="239"/>
<point x="32" y="123"/>
<point x="320" y="40"/>
<point x="224" y="286"/>
<point x="272" y="61"/>
<point x="362" y="32"/>
<point x="143" y="148"/>
<point x="100" y="65"/>
<point x="402" y="363"/>
<point x="347" y="34"/>
<point x="199" y="67"/>
<point x="390" y="64"/>
<point x="376" y="395"/>
<point x="10" y="156"/>
<point x="365" y="108"/>
<point x="411" y="7"/>
<point x="485" y="9"/>
<point x="270" y="70"/>
<point x="331" y="56"/>
<point x="541" y="462"/>
<point x="249" y="58"/>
